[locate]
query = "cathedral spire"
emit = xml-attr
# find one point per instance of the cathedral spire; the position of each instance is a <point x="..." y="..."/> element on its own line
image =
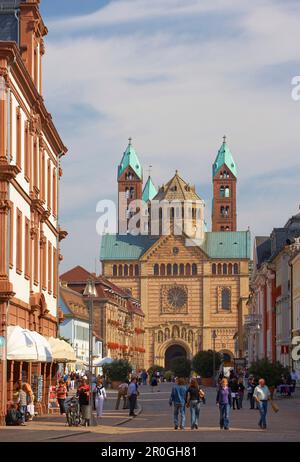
<point x="130" y="159"/>
<point x="149" y="190"/>
<point x="224" y="157"/>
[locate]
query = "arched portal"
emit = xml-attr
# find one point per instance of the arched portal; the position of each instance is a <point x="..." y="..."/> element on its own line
<point x="174" y="351"/>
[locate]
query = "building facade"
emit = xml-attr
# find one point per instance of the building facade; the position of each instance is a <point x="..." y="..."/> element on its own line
<point x="30" y="149"/>
<point x="271" y="310"/>
<point x="192" y="284"/>
<point x="118" y="321"/>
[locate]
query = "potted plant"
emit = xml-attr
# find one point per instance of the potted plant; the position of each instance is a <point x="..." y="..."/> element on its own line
<point x="117" y="371"/>
<point x="203" y="365"/>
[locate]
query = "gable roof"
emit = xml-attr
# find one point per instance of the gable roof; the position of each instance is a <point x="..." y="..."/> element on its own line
<point x="221" y="245"/>
<point x="177" y="189"/>
<point x="224" y="157"/>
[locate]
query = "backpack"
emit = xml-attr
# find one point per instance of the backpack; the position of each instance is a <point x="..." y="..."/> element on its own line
<point x="83" y="396"/>
<point x="13" y="417"/>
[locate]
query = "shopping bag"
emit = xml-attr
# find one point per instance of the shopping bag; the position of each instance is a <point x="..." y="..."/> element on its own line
<point x="274" y="406"/>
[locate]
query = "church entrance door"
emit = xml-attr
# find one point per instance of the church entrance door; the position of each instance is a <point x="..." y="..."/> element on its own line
<point x="174" y="351"/>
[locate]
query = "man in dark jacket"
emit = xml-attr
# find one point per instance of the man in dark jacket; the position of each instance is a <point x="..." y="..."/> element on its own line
<point x="224" y="402"/>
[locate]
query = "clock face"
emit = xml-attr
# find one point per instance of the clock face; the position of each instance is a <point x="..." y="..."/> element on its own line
<point x="177" y="297"/>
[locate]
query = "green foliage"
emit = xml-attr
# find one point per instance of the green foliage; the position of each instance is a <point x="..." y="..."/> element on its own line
<point x="181" y="367"/>
<point x="271" y="372"/>
<point x="203" y="363"/>
<point x="118" y="370"/>
<point x="168" y="376"/>
<point x="155" y="368"/>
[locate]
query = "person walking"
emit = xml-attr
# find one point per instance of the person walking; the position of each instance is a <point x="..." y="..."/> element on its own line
<point x="122" y="394"/>
<point x="61" y="393"/>
<point x="224" y="403"/>
<point x="83" y="395"/>
<point x="233" y="384"/>
<point x="193" y="402"/>
<point x="30" y="401"/>
<point x="72" y="379"/>
<point x="132" y="396"/>
<point x="100" y="397"/>
<point x="154" y="382"/>
<point x="144" y="377"/>
<point x="250" y="390"/>
<point x="22" y="403"/>
<point x="262" y="396"/>
<point x="178" y="398"/>
<point x="241" y="391"/>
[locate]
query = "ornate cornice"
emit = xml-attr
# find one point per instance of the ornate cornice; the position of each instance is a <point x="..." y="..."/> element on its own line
<point x="62" y="234"/>
<point x="8" y="172"/>
<point x="6" y="291"/>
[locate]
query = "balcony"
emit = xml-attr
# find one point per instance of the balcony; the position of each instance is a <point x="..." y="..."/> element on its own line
<point x="253" y="320"/>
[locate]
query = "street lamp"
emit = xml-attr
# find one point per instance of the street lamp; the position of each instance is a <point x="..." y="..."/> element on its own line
<point x="214" y="336"/>
<point x="90" y="292"/>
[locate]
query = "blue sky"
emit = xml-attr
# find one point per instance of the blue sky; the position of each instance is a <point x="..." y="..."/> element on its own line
<point x="176" y="76"/>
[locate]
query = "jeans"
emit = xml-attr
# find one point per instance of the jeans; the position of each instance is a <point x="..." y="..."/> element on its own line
<point x="263" y="409"/>
<point x="179" y="409"/>
<point x="224" y="415"/>
<point x="241" y="397"/>
<point x="132" y="402"/>
<point x="252" y="401"/>
<point x="23" y="410"/>
<point x="61" y="403"/>
<point x="235" y="401"/>
<point x="195" y="411"/>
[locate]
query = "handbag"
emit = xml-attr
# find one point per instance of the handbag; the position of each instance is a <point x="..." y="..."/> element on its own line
<point x="30" y="409"/>
<point x="201" y="394"/>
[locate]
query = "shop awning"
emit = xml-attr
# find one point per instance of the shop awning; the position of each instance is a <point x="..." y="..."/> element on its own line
<point x="27" y="345"/>
<point x="62" y="351"/>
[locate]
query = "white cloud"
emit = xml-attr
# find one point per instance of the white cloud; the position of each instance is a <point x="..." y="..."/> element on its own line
<point x="176" y="95"/>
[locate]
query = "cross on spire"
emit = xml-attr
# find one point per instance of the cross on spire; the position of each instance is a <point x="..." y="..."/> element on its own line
<point x="129" y="141"/>
<point x="224" y="139"/>
<point x="149" y="170"/>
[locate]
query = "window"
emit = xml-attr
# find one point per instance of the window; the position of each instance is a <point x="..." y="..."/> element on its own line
<point x="35" y="164"/>
<point x="230" y="268"/>
<point x="224" y="268"/>
<point x="181" y="269"/>
<point x="194" y="269"/>
<point x="115" y="270"/>
<point x="214" y="268"/>
<point x="162" y="269"/>
<point x="43" y="175"/>
<point x="127" y="193"/>
<point x="120" y="272"/>
<point x="169" y="269"/>
<point x="54" y="196"/>
<point x="11" y="237"/>
<point x="55" y="264"/>
<point x="27" y="152"/>
<point x="136" y="270"/>
<point x="132" y="194"/>
<point x="225" y="299"/>
<point x="219" y="268"/>
<point x="19" y="242"/>
<point x="227" y="191"/>
<point x="188" y="269"/>
<point x="18" y="138"/>
<point x="49" y="185"/>
<point x="36" y="258"/>
<point x="27" y="248"/>
<point x="156" y="269"/>
<point x="49" y="267"/>
<point x="175" y="269"/>
<point x="125" y="270"/>
<point x="43" y="264"/>
<point x="236" y="268"/>
<point x="222" y="191"/>
<point x="131" y="270"/>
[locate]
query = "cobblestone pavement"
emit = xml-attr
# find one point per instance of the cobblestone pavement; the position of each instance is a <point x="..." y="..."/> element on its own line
<point x="155" y="424"/>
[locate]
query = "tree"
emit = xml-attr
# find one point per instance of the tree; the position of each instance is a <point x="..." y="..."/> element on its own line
<point x="271" y="372"/>
<point x="203" y="363"/>
<point x="118" y="370"/>
<point x="181" y="367"/>
<point x="155" y="368"/>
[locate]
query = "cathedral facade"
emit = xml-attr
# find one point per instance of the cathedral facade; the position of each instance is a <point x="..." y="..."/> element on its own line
<point x="193" y="284"/>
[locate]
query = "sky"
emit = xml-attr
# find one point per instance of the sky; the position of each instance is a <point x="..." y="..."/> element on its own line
<point x="175" y="75"/>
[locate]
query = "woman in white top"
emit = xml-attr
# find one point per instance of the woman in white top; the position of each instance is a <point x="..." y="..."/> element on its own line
<point x="100" y="397"/>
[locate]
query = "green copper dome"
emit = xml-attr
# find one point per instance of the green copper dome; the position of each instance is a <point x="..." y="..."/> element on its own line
<point x="130" y="159"/>
<point x="149" y="190"/>
<point x="224" y="157"/>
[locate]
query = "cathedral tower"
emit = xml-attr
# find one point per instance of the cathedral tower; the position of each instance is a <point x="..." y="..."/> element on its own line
<point x="224" y="172"/>
<point x="130" y="185"/>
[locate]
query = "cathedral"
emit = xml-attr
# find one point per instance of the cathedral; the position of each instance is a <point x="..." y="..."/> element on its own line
<point x="193" y="284"/>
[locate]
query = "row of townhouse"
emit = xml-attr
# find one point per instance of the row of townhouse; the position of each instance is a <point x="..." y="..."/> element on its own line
<point x="274" y="303"/>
